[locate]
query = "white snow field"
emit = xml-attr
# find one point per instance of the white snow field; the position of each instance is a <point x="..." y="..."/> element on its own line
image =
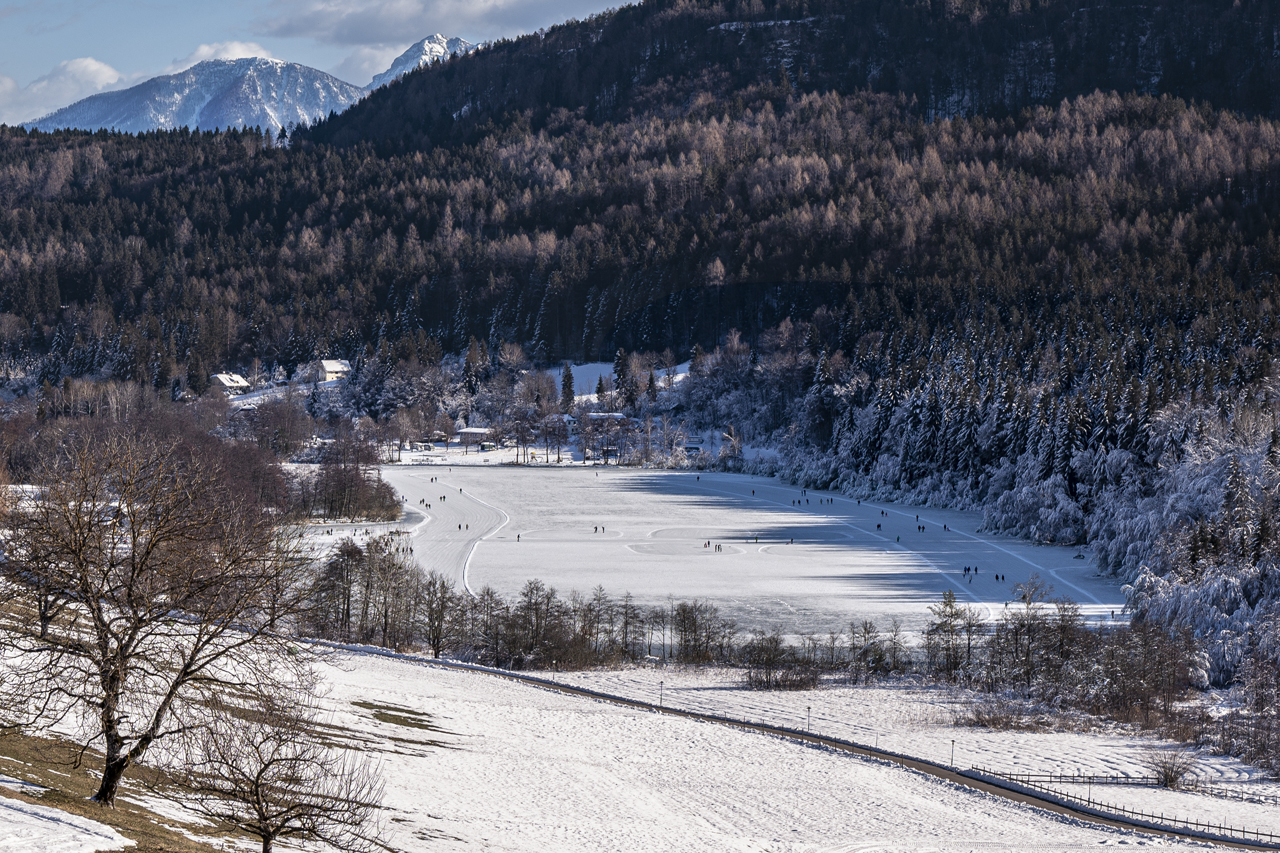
<point x="799" y="562"/>
<point x="919" y="721"/>
<point x="474" y="762"/>
<point x="28" y="828"/>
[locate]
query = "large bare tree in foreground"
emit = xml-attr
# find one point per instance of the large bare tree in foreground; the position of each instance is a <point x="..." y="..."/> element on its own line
<point x="146" y="582"/>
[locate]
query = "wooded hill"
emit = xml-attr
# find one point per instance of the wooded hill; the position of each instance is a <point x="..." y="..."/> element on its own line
<point x="1106" y="217"/>
<point x="738" y="172"/>
<point x="952" y="58"/>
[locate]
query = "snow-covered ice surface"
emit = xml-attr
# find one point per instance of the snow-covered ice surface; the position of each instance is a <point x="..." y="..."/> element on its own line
<point x="28" y="828"/>
<point x="474" y="762"/>
<point x="787" y="560"/>
<point x="919" y="721"/>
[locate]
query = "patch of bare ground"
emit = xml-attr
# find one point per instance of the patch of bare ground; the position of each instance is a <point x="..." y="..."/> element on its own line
<point x="48" y="774"/>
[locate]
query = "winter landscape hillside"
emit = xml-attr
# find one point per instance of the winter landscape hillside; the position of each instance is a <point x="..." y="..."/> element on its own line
<point x="763" y="425"/>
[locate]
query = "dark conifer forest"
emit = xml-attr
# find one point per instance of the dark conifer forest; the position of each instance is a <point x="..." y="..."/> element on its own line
<point x="1020" y="257"/>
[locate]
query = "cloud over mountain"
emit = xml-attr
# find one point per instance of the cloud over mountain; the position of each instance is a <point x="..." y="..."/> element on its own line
<point x="69" y="81"/>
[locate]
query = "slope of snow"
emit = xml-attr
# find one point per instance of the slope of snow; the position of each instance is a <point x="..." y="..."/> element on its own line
<point x="423" y="53"/>
<point x="27" y="828"/>
<point x="479" y="763"/>
<point x="217" y="93"/>
<point x="920" y="721"/>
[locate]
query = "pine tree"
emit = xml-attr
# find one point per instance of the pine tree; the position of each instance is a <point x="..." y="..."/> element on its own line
<point x="566" y="389"/>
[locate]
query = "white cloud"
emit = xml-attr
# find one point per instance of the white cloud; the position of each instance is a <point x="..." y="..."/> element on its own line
<point x="363" y="63"/>
<point x="67" y="83"/>
<point x="219" y="50"/>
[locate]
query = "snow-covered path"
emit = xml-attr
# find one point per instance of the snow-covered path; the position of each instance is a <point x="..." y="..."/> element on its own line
<point x="797" y="561"/>
<point x="474" y="762"/>
<point x="27" y="828"/>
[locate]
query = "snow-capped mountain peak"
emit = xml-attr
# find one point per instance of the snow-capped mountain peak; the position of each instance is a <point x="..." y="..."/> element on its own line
<point x="216" y="93"/>
<point x="423" y="53"/>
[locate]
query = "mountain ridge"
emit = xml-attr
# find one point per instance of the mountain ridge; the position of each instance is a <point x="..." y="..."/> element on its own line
<point x="422" y="53"/>
<point x="216" y="93"/>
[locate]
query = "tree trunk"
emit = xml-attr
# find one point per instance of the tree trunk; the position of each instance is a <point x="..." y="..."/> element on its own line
<point x="112" y="772"/>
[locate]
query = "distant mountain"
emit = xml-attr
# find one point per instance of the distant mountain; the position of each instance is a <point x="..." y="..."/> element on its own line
<point x="423" y="53"/>
<point x="266" y="93"/>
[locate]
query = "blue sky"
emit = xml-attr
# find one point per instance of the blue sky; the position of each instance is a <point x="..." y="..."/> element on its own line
<point x="55" y="52"/>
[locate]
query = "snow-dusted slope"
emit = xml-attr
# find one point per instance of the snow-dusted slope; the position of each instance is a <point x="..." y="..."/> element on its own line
<point x="422" y="53"/>
<point x="267" y="93"/>
<point x="40" y="829"/>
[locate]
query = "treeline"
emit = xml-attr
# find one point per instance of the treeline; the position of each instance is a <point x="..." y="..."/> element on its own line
<point x="343" y="483"/>
<point x="378" y="593"/>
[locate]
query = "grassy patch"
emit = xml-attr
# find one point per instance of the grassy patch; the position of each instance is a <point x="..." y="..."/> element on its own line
<point x="50" y="764"/>
<point x="401" y="717"/>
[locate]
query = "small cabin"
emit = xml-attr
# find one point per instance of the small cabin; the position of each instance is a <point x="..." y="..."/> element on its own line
<point x="469" y="436"/>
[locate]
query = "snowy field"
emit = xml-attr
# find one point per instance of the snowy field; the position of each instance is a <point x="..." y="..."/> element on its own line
<point x="473" y="762"/>
<point x="764" y="552"/>
<point x="920" y="721"/>
<point x="27" y="828"/>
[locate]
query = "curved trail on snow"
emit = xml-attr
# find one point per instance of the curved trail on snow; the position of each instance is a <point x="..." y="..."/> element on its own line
<point x="457" y="522"/>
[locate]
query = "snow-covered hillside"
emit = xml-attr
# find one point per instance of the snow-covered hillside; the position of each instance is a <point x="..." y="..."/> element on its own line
<point x="423" y="53"/>
<point x="266" y="93"/>
<point x="474" y="762"/>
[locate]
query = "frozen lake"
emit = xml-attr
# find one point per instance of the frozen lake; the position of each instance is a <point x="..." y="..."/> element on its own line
<point x="798" y="561"/>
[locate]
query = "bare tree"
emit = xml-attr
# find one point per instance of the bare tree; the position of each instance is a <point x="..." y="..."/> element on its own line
<point x="265" y="770"/>
<point x="176" y="586"/>
<point x="1171" y="765"/>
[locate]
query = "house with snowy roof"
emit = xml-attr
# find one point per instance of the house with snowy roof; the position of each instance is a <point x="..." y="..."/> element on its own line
<point x="326" y="370"/>
<point x="229" y="383"/>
